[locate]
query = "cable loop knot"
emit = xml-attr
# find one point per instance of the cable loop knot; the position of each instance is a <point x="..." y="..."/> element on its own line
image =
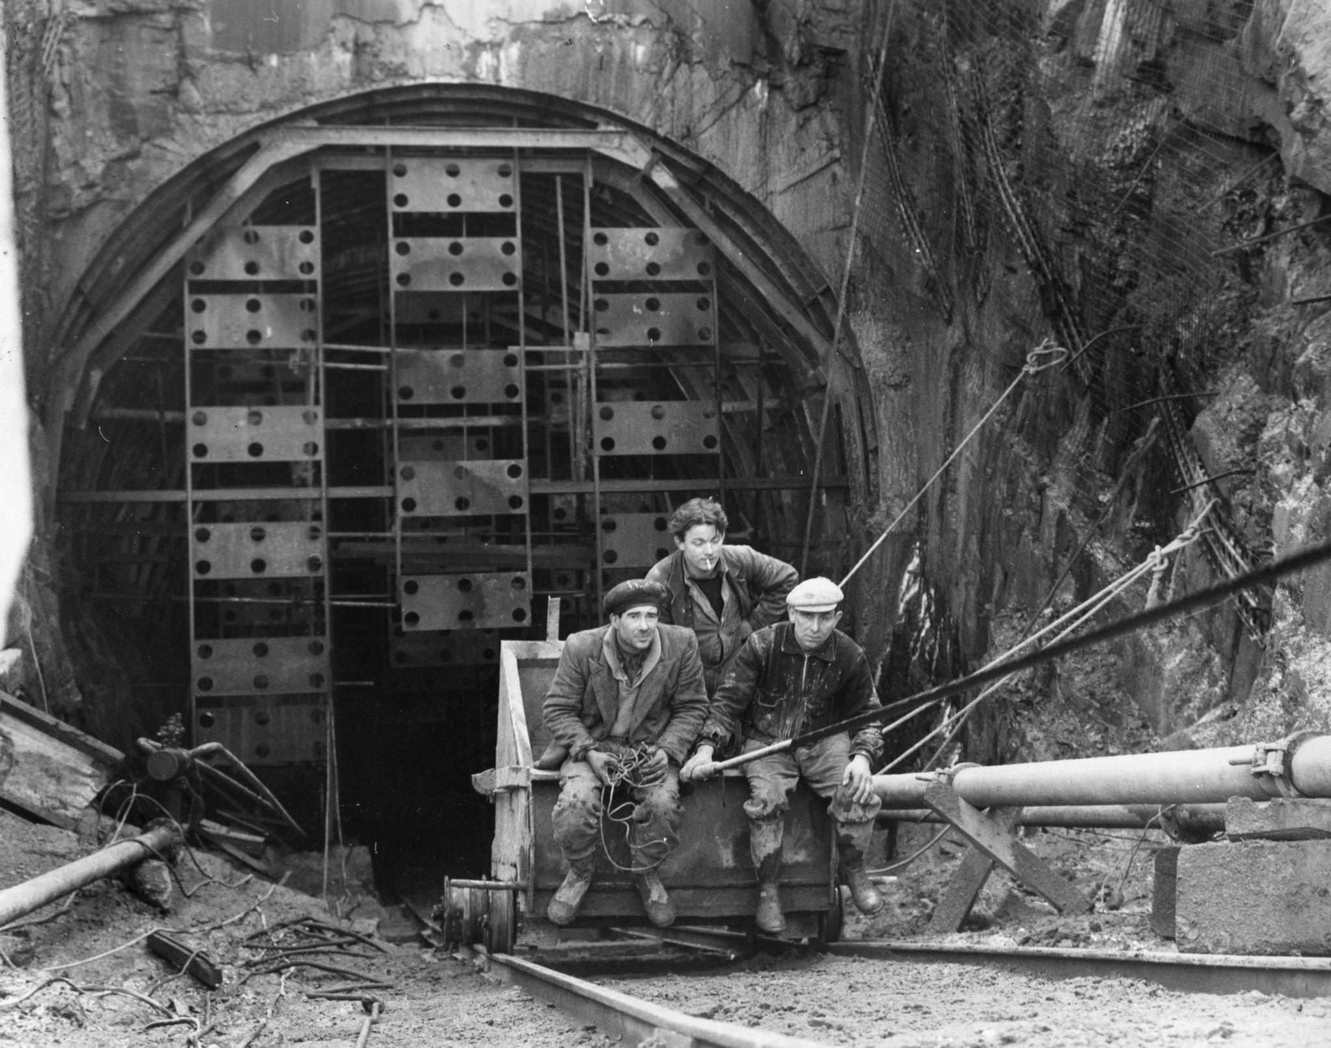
<point x="1047" y="354"/>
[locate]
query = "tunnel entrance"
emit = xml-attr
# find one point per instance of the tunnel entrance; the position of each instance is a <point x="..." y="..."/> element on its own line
<point x="405" y="393"/>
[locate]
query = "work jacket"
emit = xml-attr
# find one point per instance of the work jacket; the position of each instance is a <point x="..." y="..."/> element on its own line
<point x="669" y="701"/>
<point x="753" y="595"/>
<point x="773" y="690"/>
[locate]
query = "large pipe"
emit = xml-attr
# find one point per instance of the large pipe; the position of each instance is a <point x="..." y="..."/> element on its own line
<point x="46" y="887"/>
<point x="1208" y="818"/>
<point x="1300" y="764"/>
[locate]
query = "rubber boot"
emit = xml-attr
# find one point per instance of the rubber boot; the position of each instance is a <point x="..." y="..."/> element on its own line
<point x="765" y="848"/>
<point x="564" y="905"/>
<point x="852" y="842"/>
<point x="655" y="899"/>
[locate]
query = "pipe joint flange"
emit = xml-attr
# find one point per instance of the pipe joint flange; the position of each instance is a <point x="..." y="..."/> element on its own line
<point x="1275" y="759"/>
<point x="947" y="775"/>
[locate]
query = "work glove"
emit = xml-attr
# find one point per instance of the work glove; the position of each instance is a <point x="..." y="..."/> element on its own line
<point x="603" y="764"/>
<point x="700" y="765"/>
<point x="652" y="771"/>
<point x="858" y="779"/>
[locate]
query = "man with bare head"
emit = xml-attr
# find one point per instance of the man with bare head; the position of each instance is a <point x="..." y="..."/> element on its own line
<point x="723" y="593"/>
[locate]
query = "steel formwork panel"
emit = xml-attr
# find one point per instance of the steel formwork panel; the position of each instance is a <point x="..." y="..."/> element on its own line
<point x="633" y="540"/>
<point x="440" y="446"/>
<point x="255" y="434"/>
<point x="442" y="184"/>
<point x="256" y="253"/>
<point x="662" y="253"/>
<point x="465" y="647"/>
<point x="455" y="264"/>
<point x="484" y="600"/>
<point x="670" y="427"/>
<point x="458" y="376"/>
<point x="252" y="321"/>
<point x="274" y="665"/>
<point x="260" y="550"/>
<point x="264" y="729"/>
<point x="464" y="488"/>
<point x="653" y="319"/>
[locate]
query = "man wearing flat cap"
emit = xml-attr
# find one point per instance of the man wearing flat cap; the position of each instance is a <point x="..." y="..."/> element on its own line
<point x="626" y="703"/>
<point x="788" y="679"/>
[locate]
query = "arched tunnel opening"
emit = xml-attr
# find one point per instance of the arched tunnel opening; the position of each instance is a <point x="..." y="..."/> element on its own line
<point x="363" y="397"/>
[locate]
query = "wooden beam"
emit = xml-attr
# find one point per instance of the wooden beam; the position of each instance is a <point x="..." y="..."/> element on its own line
<point x="994" y="837"/>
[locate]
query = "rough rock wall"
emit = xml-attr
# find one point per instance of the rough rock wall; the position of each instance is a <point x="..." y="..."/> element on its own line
<point x="1169" y="161"/>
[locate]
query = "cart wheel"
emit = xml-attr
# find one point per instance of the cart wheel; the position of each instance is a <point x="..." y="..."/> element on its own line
<point x="830" y="921"/>
<point x="501" y="926"/>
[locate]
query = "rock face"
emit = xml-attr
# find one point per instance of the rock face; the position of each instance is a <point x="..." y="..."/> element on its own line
<point x="1120" y="177"/>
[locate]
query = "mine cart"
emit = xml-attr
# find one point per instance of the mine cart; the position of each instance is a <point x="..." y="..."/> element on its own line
<point x="709" y="876"/>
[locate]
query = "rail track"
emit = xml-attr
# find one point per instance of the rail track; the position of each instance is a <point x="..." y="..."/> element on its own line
<point x="635" y="1020"/>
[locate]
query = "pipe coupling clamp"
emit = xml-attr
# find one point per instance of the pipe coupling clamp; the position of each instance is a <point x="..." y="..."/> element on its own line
<point x="1276" y="759"/>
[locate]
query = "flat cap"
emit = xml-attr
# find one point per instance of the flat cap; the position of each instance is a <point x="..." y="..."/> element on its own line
<point x="816" y="594"/>
<point x="631" y="593"/>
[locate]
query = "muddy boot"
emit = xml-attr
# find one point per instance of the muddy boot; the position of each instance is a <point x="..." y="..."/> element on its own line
<point x="563" y="907"/>
<point x="655" y="899"/>
<point x="852" y="842"/>
<point x="765" y="849"/>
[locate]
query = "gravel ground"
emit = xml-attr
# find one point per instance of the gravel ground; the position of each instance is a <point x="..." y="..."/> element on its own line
<point x="96" y="943"/>
<point x="864" y="1004"/>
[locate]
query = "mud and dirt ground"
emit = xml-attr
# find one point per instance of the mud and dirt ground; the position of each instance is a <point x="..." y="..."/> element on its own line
<point x="84" y="978"/>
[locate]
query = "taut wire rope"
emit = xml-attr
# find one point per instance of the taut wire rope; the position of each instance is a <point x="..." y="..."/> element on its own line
<point x="1066" y="624"/>
<point x="1035" y="363"/>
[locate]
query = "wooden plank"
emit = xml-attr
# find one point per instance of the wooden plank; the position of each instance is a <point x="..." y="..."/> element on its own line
<point x="961" y="893"/>
<point x="1002" y="846"/>
<point x="48" y="768"/>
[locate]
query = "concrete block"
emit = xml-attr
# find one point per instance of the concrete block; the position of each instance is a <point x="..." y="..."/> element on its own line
<point x="1281" y="819"/>
<point x="1164" y="891"/>
<point x="1254" y="897"/>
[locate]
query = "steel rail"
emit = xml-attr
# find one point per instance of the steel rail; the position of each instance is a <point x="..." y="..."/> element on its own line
<point x="633" y="1020"/>
<point x="1188" y="972"/>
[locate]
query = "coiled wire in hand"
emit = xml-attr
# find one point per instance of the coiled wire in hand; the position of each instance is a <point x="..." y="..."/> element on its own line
<point x="630" y="769"/>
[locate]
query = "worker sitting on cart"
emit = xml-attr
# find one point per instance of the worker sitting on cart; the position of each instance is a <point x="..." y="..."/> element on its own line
<point x="789" y="679"/>
<point x="626" y="702"/>
<point x="722" y="592"/>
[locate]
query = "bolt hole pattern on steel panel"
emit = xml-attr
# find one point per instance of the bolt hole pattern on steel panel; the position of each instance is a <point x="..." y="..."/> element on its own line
<point x="251" y="253"/>
<point x="672" y="427"/>
<point x="484" y="487"/>
<point x="674" y="315"/>
<point x="481" y="600"/>
<point x="458" y="376"/>
<point x="252" y="321"/>
<point x="455" y="264"/>
<point x="442" y="184"/>
<point x="269" y="433"/>
<point x="475" y="647"/>
<point x="276" y="665"/>
<point x="264" y="730"/>
<point x="272" y="549"/>
<point x="634" y="540"/>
